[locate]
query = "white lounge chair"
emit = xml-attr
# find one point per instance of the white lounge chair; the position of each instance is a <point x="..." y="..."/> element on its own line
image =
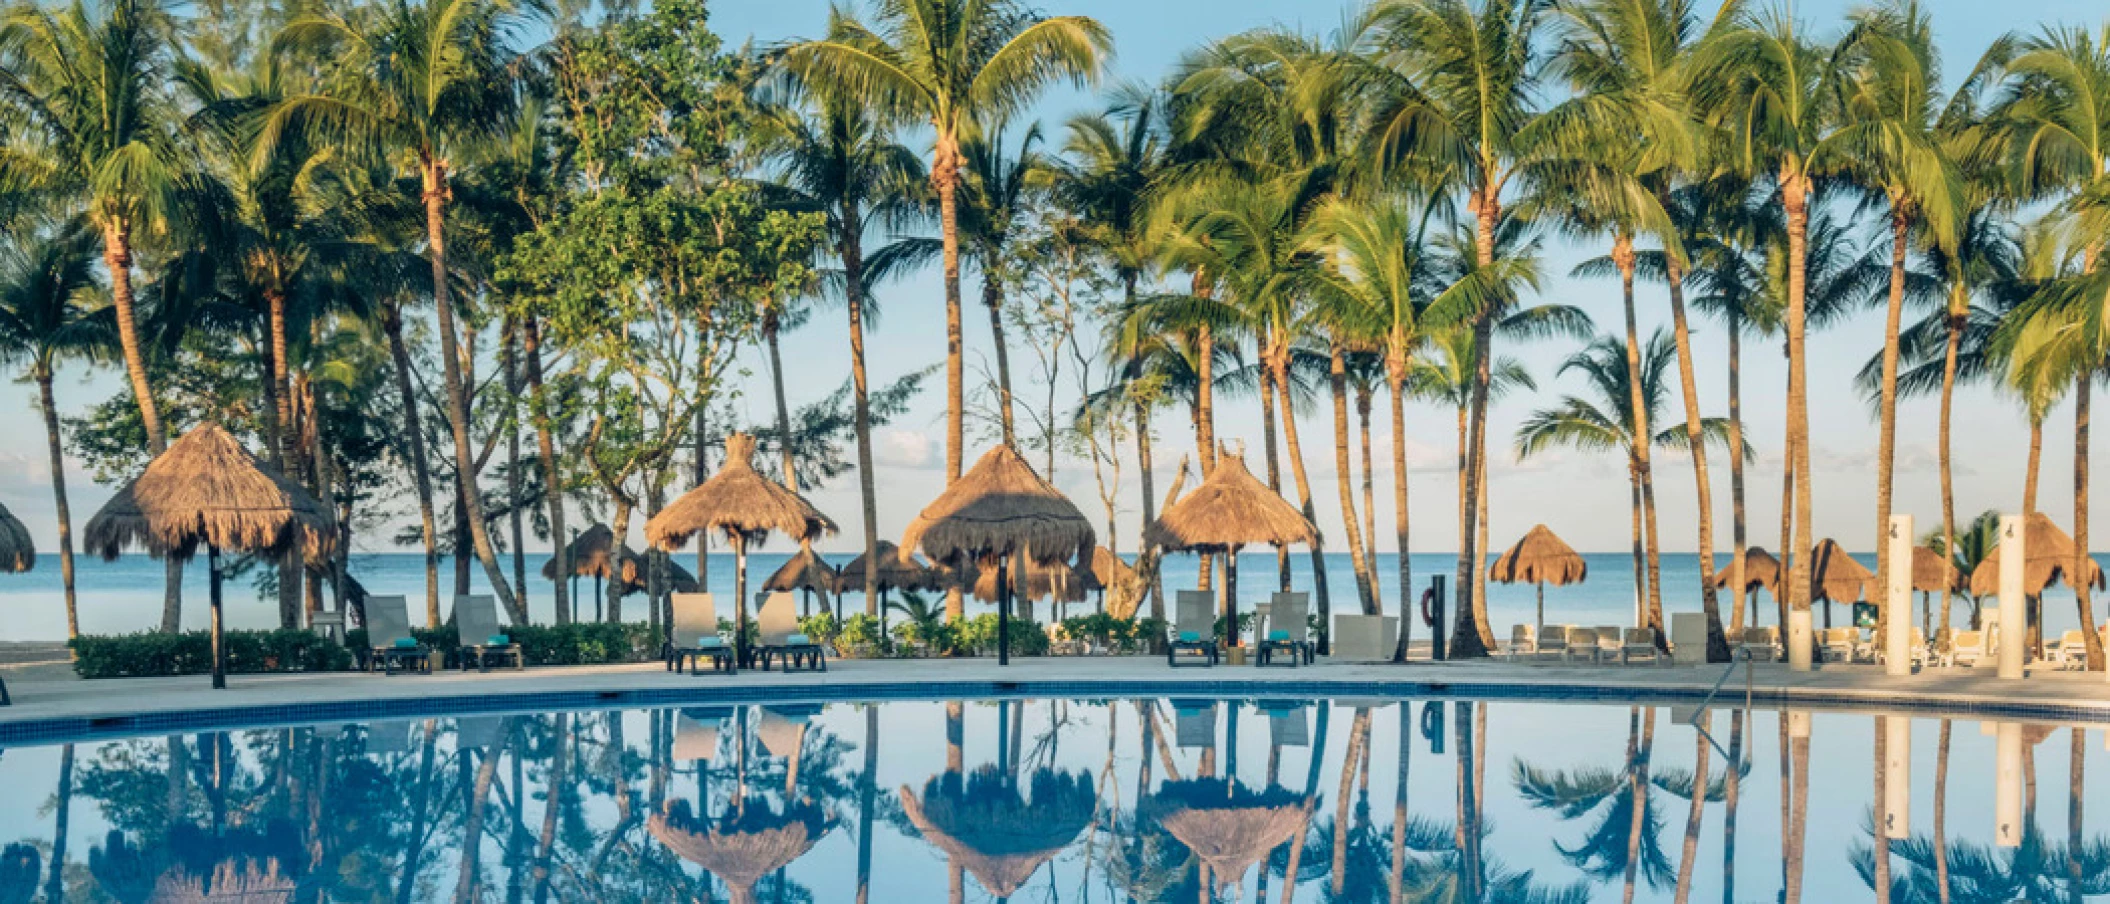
<point x="2070" y="651"/>
<point x="1759" y="644"/>
<point x="1968" y="648"/>
<point x="1195" y="631"/>
<point x="1840" y="644"/>
<point x="1288" y="630"/>
<point x="483" y="641"/>
<point x="1640" y="642"/>
<point x="1523" y="641"/>
<point x="1582" y="643"/>
<point x="388" y="638"/>
<point x="1554" y="642"/>
<point x="696" y="636"/>
<point x="782" y="641"/>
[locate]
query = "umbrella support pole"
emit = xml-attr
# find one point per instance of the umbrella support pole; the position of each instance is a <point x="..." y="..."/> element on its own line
<point x="740" y="601"/>
<point x="1231" y="598"/>
<point x="1003" y="611"/>
<point x="219" y="654"/>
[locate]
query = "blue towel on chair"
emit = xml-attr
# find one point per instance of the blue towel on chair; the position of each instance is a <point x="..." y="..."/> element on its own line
<point x="710" y="642"/>
<point x="406" y="643"/>
<point x="498" y="640"/>
<point x="797" y="640"/>
<point x="1278" y="636"/>
<point x="1190" y="637"/>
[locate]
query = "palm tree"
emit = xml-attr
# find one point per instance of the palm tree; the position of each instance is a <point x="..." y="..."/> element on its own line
<point x="848" y="166"/>
<point x="1966" y="549"/>
<point x="1452" y="84"/>
<point x="953" y="64"/>
<point x="47" y="289"/>
<point x="999" y="192"/>
<point x="425" y="81"/>
<point x="1607" y="423"/>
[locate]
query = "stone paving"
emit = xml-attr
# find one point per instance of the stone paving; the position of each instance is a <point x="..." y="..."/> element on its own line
<point x="52" y="705"/>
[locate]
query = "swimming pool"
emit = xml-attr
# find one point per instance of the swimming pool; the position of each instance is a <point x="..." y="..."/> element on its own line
<point x="1068" y="800"/>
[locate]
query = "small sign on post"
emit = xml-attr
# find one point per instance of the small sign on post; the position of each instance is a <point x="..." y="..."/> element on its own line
<point x="1897" y="601"/>
<point x="2014" y="617"/>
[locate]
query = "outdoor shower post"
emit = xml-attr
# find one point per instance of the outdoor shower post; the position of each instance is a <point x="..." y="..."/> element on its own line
<point x="1897" y="600"/>
<point x="1432" y="615"/>
<point x="2014" y="616"/>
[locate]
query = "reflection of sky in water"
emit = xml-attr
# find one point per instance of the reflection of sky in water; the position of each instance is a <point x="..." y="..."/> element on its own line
<point x="999" y="819"/>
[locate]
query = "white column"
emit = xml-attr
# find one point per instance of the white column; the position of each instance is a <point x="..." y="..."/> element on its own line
<point x="2007" y="785"/>
<point x="2014" y="618"/>
<point x="1799" y="640"/>
<point x="1897" y="602"/>
<point x="1897" y="776"/>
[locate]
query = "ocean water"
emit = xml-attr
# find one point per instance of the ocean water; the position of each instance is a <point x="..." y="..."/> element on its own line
<point x="126" y="595"/>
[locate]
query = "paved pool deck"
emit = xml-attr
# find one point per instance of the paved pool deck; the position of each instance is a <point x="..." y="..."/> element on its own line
<point x="51" y="705"/>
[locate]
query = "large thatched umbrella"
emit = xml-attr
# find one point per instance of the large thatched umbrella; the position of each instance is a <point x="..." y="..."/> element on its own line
<point x="1228" y="826"/>
<point x="744" y="505"/>
<point x="589" y="554"/>
<point x="742" y="848"/>
<point x="1229" y="510"/>
<point x="1836" y="577"/>
<point x="1539" y="559"/>
<point x="17" y="553"/>
<point x="997" y="830"/>
<point x="2047" y="554"/>
<point x="207" y="489"/>
<point x="1761" y="571"/>
<point x="1060" y="581"/>
<point x="805" y="573"/>
<point x="999" y="509"/>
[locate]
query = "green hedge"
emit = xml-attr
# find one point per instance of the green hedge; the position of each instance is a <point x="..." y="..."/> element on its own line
<point x="579" y="643"/>
<point x="190" y="653"/>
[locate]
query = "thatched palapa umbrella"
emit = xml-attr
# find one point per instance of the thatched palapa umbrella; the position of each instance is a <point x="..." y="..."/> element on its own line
<point x="1060" y="581"/>
<point x="806" y="573"/>
<point x="2047" y="554"/>
<point x="994" y="829"/>
<point x="746" y="507"/>
<point x="207" y="489"/>
<point x="1228" y="826"/>
<point x="1539" y="559"/>
<point x="590" y="554"/>
<point x="743" y="848"/>
<point x="1118" y="578"/>
<point x="1229" y="510"/>
<point x="1761" y="571"/>
<point x="1000" y="508"/>
<point x="1836" y="577"/>
<point x="17" y="553"/>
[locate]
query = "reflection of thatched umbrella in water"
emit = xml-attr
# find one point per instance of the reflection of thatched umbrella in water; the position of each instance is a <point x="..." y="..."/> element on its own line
<point x="238" y="866"/>
<point x="997" y="830"/>
<point x="1539" y="559"/>
<point x="744" y="505"/>
<point x="207" y="489"/>
<point x="1228" y="826"/>
<point x="999" y="509"/>
<point x="1231" y="509"/>
<point x="805" y="573"/>
<point x="20" y="868"/>
<point x="744" y="847"/>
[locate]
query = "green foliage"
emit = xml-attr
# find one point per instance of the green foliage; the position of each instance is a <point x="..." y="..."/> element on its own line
<point x="190" y="653"/>
<point x="820" y="627"/>
<point x="860" y="630"/>
<point x="1105" y="630"/>
<point x="977" y="636"/>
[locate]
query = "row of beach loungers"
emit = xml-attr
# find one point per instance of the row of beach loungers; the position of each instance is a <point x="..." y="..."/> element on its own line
<point x="392" y="647"/>
<point x="1569" y="643"/>
<point x="1966" y="648"/>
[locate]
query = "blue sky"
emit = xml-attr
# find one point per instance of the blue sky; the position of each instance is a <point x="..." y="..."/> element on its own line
<point x="1582" y="497"/>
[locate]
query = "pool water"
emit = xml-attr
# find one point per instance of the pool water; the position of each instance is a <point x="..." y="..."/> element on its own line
<point x="1070" y="801"/>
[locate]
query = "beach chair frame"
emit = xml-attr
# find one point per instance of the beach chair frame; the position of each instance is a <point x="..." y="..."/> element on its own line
<point x="1640" y="642"/>
<point x="696" y="616"/>
<point x="1195" y="616"/>
<point x="781" y="641"/>
<point x="388" y="619"/>
<point x="1293" y="609"/>
<point x="475" y="623"/>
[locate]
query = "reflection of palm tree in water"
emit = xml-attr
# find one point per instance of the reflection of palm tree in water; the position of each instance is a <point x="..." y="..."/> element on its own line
<point x="1624" y="840"/>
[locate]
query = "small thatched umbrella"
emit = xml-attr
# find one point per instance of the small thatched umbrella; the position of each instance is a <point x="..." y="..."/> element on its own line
<point x="636" y="573"/>
<point x="1000" y="508"/>
<point x="1228" y="826"/>
<point x="1539" y="559"/>
<point x="207" y="489"/>
<point x="1119" y="579"/>
<point x="806" y="573"/>
<point x="589" y="554"/>
<point x="746" y="507"/>
<point x="2047" y="554"/>
<point x="17" y="553"/>
<point x="1761" y="571"/>
<point x="743" y="848"/>
<point x="994" y="829"/>
<point x="1229" y="510"/>
<point x="1933" y="573"/>
<point x="1836" y="577"/>
<point x="21" y="867"/>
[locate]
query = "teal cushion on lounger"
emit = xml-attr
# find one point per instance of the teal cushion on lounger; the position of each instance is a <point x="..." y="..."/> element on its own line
<point x="709" y="642"/>
<point x="1190" y="637"/>
<point x="406" y="643"/>
<point x="796" y="640"/>
<point x="1278" y="635"/>
<point x="498" y="640"/>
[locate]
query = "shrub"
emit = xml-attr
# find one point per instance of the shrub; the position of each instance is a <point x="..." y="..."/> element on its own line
<point x="820" y="627"/>
<point x="977" y="636"/>
<point x="860" y="630"/>
<point x="190" y="653"/>
<point x="1102" y="629"/>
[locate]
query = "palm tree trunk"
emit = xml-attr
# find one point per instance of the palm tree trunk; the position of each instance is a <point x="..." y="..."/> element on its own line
<point x="1887" y="437"/>
<point x="1798" y="817"/>
<point x="993" y="299"/>
<point x="1655" y="561"/>
<point x="552" y="478"/>
<point x="465" y="889"/>
<point x="1879" y="793"/>
<point x="945" y="178"/>
<point x="1941" y="814"/>
<point x="1739" y="540"/>
<point x="1150" y="504"/>
<point x="867" y="479"/>
<point x="2036" y="457"/>
<point x="435" y="196"/>
<point x="278" y="424"/>
<point x="1793" y="190"/>
<point x="117" y="259"/>
<point x="1362" y="411"/>
<point x="1358" y="737"/>
<point x="1696" y="441"/>
<point x="1640" y="544"/>
<point x="1344" y="471"/>
<point x="1396" y="384"/>
<point x="771" y="325"/>
<point x="1702" y="747"/>
<point x="1467" y="643"/>
<point x="43" y="375"/>
<point x="1787" y="539"/>
<point x="62" y="817"/>
<point x="1468" y="819"/>
<point x="420" y="467"/>
<point x="1480" y="615"/>
<point x="2081" y="388"/>
<point x="1732" y="778"/>
<point x="1205" y="398"/>
<point x="1948" y="485"/>
<point x="867" y="798"/>
<point x="1279" y="361"/>
<point x="1637" y="413"/>
<point x="1274" y="467"/>
<point x="510" y="367"/>
<point x="1639" y="788"/>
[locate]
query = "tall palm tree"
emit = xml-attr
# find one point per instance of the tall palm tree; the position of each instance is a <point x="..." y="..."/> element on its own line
<point x="47" y="300"/>
<point x="1966" y="549"/>
<point x="847" y="165"/>
<point x="1000" y="190"/>
<point x="1453" y="85"/>
<point x="425" y="81"/>
<point x="952" y="64"/>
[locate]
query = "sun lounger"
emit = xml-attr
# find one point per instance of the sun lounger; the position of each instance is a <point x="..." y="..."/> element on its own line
<point x="1608" y="637"/>
<point x="1840" y="644"/>
<point x="1967" y="648"/>
<point x="1194" y="723"/>
<point x="2070" y="651"/>
<point x="1553" y="642"/>
<point x="482" y="640"/>
<point x="480" y="732"/>
<point x="1582" y="644"/>
<point x="388" y="638"/>
<point x="1759" y="644"/>
<point x="1288" y="630"/>
<point x="781" y="638"/>
<point x="1523" y="641"/>
<point x="696" y="636"/>
<point x="696" y="732"/>
<point x="1195" y="631"/>
<point x="1288" y="723"/>
<point x="1641" y="642"/>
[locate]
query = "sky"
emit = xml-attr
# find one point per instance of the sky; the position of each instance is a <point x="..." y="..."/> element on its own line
<point x="1581" y="496"/>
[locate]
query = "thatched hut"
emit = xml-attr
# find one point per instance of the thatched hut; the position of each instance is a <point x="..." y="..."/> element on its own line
<point x="1123" y="585"/>
<point x="1835" y="577"/>
<point x="999" y="509"/>
<point x="1933" y="572"/>
<point x="1228" y="826"/>
<point x="17" y="552"/>
<point x="208" y="490"/>
<point x="986" y="824"/>
<point x="806" y="573"/>
<point x="746" y="507"/>
<point x="1230" y="510"/>
<point x="1539" y="559"/>
<point x="743" y="848"/>
<point x="2047" y="554"/>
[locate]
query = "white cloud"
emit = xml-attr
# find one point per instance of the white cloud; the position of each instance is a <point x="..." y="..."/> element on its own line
<point x="896" y="448"/>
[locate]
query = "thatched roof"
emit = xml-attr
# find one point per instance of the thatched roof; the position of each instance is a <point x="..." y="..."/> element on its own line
<point x="17" y="553"/>
<point x="1229" y="510"/>
<point x="2046" y="553"/>
<point x="997" y="508"/>
<point x="1539" y="558"/>
<point x="995" y="830"/>
<point x="244" y="882"/>
<point x="1835" y="576"/>
<point x="1110" y="570"/>
<point x="1060" y="581"/>
<point x="591" y="555"/>
<point x="636" y="570"/>
<point x="805" y="571"/>
<point x="896" y="571"/>
<point x="740" y="849"/>
<point x="737" y="500"/>
<point x="1932" y="572"/>
<point x="208" y="489"/>
<point x="1761" y="570"/>
<point x="1228" y="826"/>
